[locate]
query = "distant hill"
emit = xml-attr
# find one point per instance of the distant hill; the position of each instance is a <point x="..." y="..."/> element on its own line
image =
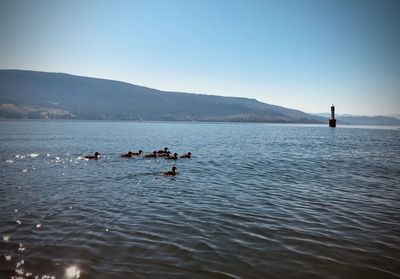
<point x="378" y="120"/>
<point x="32" y="94"/>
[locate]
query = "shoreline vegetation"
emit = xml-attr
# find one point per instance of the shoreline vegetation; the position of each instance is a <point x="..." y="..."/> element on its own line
<point x="365" y="126"/>
<point x="347" y="120"/>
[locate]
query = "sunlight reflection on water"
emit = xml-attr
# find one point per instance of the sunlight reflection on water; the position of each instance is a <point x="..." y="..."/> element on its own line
<point x="72" y="272"/>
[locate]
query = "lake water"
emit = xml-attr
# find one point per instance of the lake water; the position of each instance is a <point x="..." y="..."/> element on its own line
<point x="255" y="201"/>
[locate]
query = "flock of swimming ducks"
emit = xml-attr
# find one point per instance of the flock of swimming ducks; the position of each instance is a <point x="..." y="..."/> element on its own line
<point x="165" y="153"/>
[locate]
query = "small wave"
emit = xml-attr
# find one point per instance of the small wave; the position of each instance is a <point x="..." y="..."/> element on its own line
<point x="230" y="214"/>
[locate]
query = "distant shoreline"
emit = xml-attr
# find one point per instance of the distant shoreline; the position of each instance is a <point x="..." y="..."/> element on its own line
<point x="151" y="121"/>
<point x="380" y="127"/>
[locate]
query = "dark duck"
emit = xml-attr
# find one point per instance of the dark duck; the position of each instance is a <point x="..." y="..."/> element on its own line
<point x="140" y="152"/>
<point x="164" y="151"/>
<point x="174" y="157"/>
<point x="151" y="155"/>
<point x="171" y="172"/>
<point x="164" y="154"/>
<point x="91" y="157"/>
<point x="187" y="155"/>
<point x="127" y="155"/>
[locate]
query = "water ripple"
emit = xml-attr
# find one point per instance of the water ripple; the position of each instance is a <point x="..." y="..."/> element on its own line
<point x="255" y="201"/>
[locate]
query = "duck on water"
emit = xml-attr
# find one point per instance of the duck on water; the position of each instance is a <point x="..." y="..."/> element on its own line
<point x="140" y="152"/>
<point x="172" y="172"/>
<point x="151" y="155"/>
<point x="130" y="154"/>
<point x="164" y="154"/>
<point x="91" y="157"/>
<point x="174" y="157"/>
<point x="127" y="155"/>
<point x="187" y="155"/>
<point x="163" y="151"/>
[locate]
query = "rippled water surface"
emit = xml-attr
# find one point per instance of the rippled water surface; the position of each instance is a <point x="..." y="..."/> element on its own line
<point x="255" y="201"/>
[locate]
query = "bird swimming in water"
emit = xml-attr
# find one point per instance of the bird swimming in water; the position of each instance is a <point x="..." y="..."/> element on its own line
<point x="174" y="157"/>
<point x="91" y="157"/>
<point x="188" y="155"/>
<point x="151" y="155"/>
<point x="164" y="154"/>
<point x="171" y="172"/>
<point x="127" y="155"/>
<point x="163" y="151"/>
<point x="137" y="153"/>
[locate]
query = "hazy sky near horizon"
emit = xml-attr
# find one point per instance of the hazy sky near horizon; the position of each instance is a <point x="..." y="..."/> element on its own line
<point x="303" y="54"/>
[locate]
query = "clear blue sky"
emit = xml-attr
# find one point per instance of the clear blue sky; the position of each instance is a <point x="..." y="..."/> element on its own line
<point x="304" y="54"/>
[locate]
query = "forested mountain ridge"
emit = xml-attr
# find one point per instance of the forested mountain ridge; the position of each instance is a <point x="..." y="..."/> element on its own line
<point x="32" y="94"/>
